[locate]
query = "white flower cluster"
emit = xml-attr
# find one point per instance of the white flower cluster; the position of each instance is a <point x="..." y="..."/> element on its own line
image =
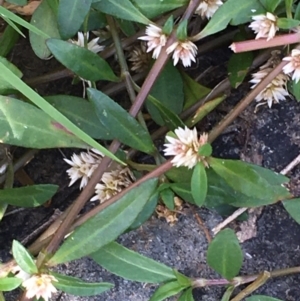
<point x="293" y="67"/>
<point x="111" y="183"/>
<point x="264" y="26"/>
<point x="182" y="50"/>
<point x="37" y="285"/>
<point x="276" y="90"/>
<point x="185" y="147"/>
<point x="156" y="40"/>
<point x="207" y="8"/>
<point x="92" y="45"/>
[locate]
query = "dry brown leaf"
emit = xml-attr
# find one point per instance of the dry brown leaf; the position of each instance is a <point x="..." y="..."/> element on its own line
<point x="26" y="10"/>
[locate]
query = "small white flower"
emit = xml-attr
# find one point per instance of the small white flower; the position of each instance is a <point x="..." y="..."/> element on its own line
<point x="294" y="65"/>
<point x="208" y="7"/>
<point x="185" y="147"/>
<point x="264" y="26"/>
<point x="112" y="183"/>
<point x="83" y="166"/>
<point x="40" y="286"/>
<point x="92" y="45"/>
<point x="275" y="91"/>
<point x="155" y="38"/>
<point x="183" y="50"/>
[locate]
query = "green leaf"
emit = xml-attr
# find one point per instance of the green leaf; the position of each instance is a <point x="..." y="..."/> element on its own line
<point x="63" y="122"/>
<point x="168" y="83"/>
<point x="293" y="208"/>
<point x="168" y="26"/>
<point x="297" y="12"/>
<point x="28" y="196"/>
<point x="155" y="8"/>
<point x="199" y="184"/>
<point x="45" y="19"/>
<point x="96" y="21"/>
<point x="127" y="27"/>
<point x="25" y="125"/>
<point x="7" y="40"/>
<point x="205" y="150"/>
<point x="6" y="14"/>
<point x="167" y="290"/>
<point x="246" y="12"/>
<point x="224" y="254"/>
<point x="170" y="119"/>
<point x="6" y="87"/>
<point x="179" y="174"/>
<point x="261" y="298"/>
<point x="183" y="190"/>
<point x="131" y="265"/>
<point x="295" y="88"/>
<point x="120" y="123"/>
<point x="182" y="279"/>
<point x="238" y="67"/>
<point x="239" y="14"/>
<point x="228" y="293"/>
<point x="81" y="61"/>
<point x="70" y="16"/>
<point x="204" y="110"/>
<point x="146" y="213"/>
<point x="18" y="2"/>
<point x="270" y="5"/>
<point x="286" y="23"/>
<point x="80" y="112"/>
<point x="181" y="31"/>
<point x="78" y="287"/>
<point x="9" y="283"/>
<point x="106" y="226"/>
<point x="187" y="295"/>
<point x="246" y="179"/>
<point x="192" y="90"/>
<point x="23" y="258"/>
<point x="123" y="10"/>
<point x="167" y="196"/>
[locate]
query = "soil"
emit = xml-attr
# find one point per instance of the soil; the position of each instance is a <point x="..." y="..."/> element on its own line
<point x="269" y="138"/>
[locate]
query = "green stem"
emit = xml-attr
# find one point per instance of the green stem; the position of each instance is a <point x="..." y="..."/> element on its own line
<point x="124" y="67"/>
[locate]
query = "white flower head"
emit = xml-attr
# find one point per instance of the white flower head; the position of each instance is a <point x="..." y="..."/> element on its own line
<point x="92" y="45"/>
<point x="275" y="91"/>
<point x="184" y="51"/>
<point x="83" y="166"/>
<point x="40" y="286"/>
<point x="265" y="26"/>
<point x="208" y="7"/>
<point x="185" y="147"/>
<point x="294" y="65"/>
<point x="112" y="183"/>
<point x="155" y="38"/>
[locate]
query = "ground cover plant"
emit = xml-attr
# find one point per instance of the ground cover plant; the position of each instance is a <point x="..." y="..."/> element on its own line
<point x="148" y="50"/>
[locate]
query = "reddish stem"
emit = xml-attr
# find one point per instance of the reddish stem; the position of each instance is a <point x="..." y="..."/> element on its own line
<point x="250" y="45"/>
